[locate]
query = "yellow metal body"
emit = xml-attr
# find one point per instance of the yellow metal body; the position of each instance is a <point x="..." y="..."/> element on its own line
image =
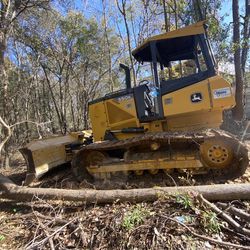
<point x="182" y="114"/>
<point x="148" y="165"/>
<point x="45" y="154"/>
<point x="179" y="112"/>
<point x="113" y="114"/>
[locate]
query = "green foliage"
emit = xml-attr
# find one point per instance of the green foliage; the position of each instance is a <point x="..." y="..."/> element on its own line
<point x="2" y="237"/>
<point x="134" y="217"/>
<point x="65" y="64"/>
<point x="185" y="200"/>
<point x="210" y="222"/>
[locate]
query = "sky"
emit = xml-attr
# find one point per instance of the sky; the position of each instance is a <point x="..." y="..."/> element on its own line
<point x="227" y="9"/>
<point x="90" y="6"/>
<point x="85" y="5"/>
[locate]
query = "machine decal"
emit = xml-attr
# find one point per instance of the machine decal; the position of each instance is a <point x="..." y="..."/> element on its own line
<point x="196" y="97"/>
<point x="168" y="101"/>
<point x="129" y="106"/>
<point x="221" y="93"/>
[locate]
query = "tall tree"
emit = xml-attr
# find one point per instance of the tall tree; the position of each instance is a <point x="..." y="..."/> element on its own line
<point x="239" y="108"/>
<point x="122" y="9"/>
<point x="198" y="10"/>
<point x="10" y="12"/>
<point x="246" y="36"/>
<point x="165" y="11"/>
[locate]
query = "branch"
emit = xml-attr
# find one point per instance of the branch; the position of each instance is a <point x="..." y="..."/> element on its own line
<point x="203" y="237"/>
<point x="9" y="130"/>
<point x="236" y="211"/>
<point x="32" y="246"/>
<point x="26" y="6"/>
<point x="7" y="9"/>
<point x="215" y="192"/>
<point x="7" y="135"/>
<point x="119" y="7"/>
<point x="36" y="123"/>
<point x="225" y="216"/>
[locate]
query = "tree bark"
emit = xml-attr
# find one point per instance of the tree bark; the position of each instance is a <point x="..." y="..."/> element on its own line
<point x="60" y="119"/>
<point x="246" y="36"/>
<point x="167" y="29"/>
<point x="210" y="192"/>
<point x="4" y="101"/>
<point x="3" y="149"/>
<point x="3" y="75"/>
<point x="111" y="81"/>
<point x="238" y="110"/>
<point x="197" y="10"/>
<point x="165" y="16"/>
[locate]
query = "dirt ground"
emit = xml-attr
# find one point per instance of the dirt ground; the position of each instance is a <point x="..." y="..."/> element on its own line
<point x="180" y="222"/>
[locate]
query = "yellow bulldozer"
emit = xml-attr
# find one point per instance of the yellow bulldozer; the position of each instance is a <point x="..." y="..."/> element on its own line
<point x="167" y="124"/>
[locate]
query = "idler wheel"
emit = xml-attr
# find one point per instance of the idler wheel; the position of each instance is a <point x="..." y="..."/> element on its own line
<point x="216" y="153"/>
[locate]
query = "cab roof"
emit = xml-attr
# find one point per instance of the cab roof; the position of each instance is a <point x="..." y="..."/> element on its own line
<point x="171" y="43"/>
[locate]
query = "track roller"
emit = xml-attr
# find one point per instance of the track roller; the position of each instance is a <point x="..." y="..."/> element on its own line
<point x="139" y="172"/>
<point x="153" y="171"/>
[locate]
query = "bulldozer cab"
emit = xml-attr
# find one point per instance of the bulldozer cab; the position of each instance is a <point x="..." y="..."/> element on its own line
<point x="180" y="86"/>
<point x="178" y="59"/>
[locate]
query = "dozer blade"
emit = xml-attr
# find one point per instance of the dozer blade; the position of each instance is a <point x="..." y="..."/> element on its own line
<point x="45" y="154"/>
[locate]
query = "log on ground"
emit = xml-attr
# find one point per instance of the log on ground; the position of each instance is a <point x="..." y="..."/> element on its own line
<point x="220" y="192"/>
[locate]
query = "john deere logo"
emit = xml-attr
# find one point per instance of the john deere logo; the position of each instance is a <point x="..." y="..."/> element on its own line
<point x="196" y="97"/>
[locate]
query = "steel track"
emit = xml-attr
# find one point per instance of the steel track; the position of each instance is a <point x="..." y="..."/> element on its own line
<point x="236" y="169"/>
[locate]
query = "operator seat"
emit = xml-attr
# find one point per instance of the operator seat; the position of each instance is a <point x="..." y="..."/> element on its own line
<point x="148" y="102"/>
<point x="144" y="104"/>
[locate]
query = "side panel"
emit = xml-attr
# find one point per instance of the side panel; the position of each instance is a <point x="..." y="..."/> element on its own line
<point x="221" y="93"/>
<point x="113" y="114"/>
<point x="121" y="111"/>
<point x="194" y="120"/>
<point x="198" y="106"/>
<point x="97" y="114"/>
<point x="179" y="102"/>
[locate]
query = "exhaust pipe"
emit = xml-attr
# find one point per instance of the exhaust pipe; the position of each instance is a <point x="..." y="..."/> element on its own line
<point x="127" y="72"/>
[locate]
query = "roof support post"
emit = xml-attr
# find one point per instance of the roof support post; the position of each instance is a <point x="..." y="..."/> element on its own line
<point x="207" y="52"/>
<point x="159" y="108"/>
<point x="154" y="60"/>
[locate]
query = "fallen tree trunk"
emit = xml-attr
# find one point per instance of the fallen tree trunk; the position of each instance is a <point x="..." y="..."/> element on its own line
<point x="210" y="192"/>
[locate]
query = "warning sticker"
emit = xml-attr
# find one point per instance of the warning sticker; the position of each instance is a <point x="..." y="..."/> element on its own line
<point x="222" y="93"/>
